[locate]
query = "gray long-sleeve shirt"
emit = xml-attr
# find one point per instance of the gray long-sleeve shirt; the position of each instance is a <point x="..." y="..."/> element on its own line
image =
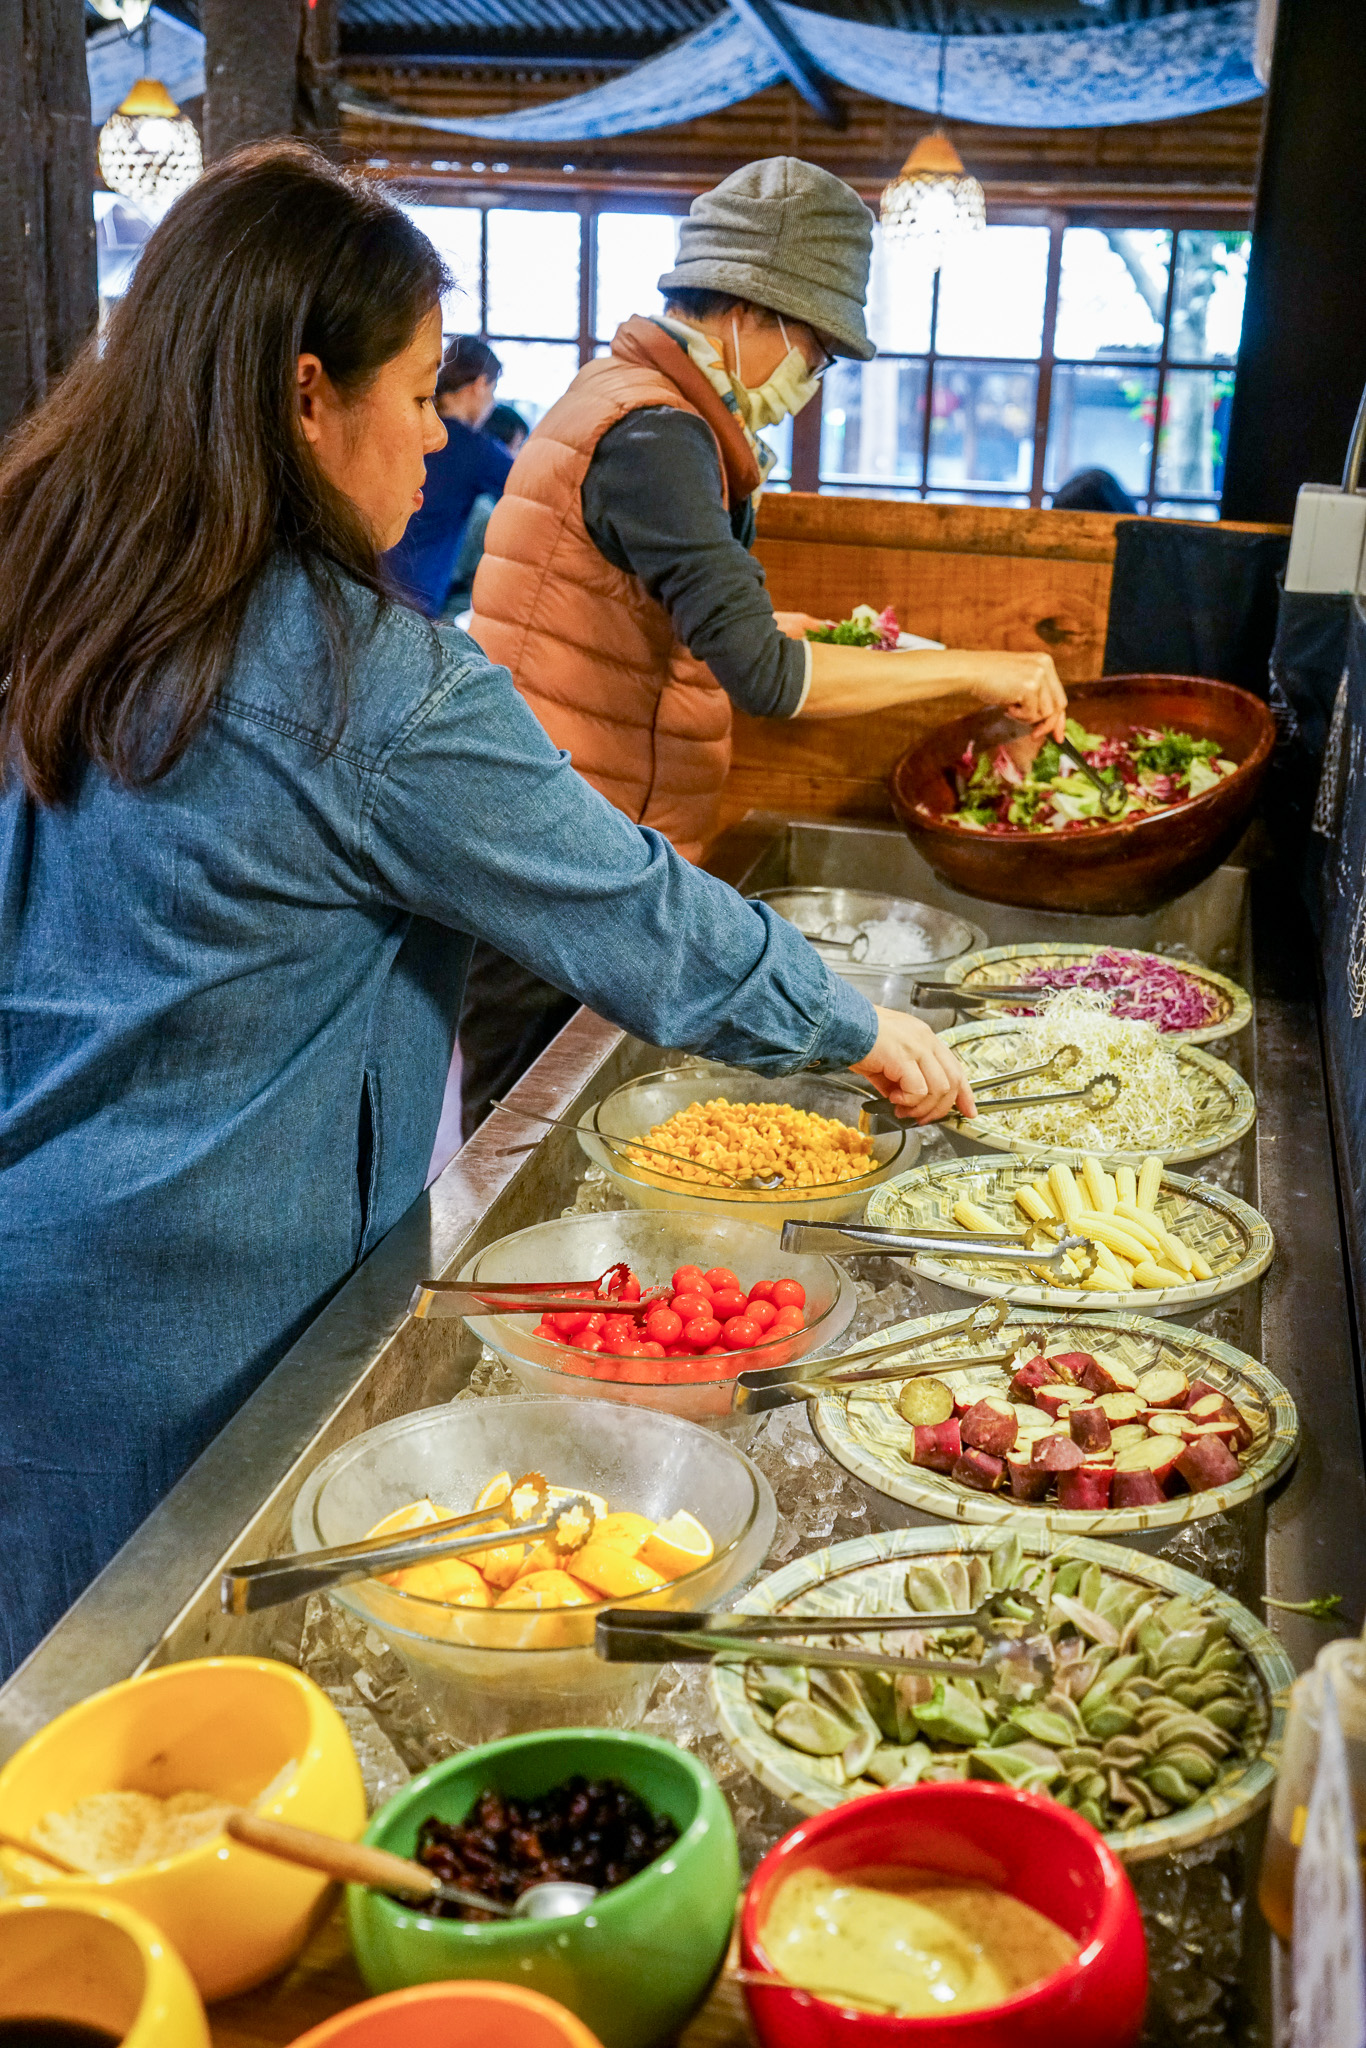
<point x="652" y="505"/>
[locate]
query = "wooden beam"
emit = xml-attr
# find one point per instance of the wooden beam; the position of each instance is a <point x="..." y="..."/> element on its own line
<point x="48" y="293"/>
<point x="798" y="66"/>
<point x="251" y="60"/>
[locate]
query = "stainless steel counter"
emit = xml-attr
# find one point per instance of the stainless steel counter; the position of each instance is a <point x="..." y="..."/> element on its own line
<point x="364" y="1360"/>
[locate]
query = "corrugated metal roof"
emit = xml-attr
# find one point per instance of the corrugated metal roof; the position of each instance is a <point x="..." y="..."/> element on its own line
<point x="633" y="28"/>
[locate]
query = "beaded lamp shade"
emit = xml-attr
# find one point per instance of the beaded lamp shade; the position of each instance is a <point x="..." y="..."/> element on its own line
<point x="932" y="202"/>
<point x="149" y="151"/>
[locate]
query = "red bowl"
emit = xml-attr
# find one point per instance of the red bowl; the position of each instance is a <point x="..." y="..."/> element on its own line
<point x="1123" y="869"/>
<point x="1017" y="1841"/>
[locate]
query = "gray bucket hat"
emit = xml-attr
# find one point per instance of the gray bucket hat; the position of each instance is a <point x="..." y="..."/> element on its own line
<point x="788" y="236"/>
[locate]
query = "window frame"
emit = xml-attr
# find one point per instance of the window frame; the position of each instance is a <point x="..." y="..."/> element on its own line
<point x="806" y="472"/>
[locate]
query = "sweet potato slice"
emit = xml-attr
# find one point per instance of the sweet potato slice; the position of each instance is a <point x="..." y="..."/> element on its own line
<point x="1028" y="1481"/>
<point x="1087" y="1487"/>
<point x="1120" y="1407"/>
<point x="938" y="1445"/>
<point x="1058" y="1454"/>
<point x="1108" y="1376"/>
<point x="1090" y="1429"/>
<point x="1156" y="1454"/>
<point x="990" y="1425"/>
<point x="1136" y="1490"/>
<point x="980" y="1470"/>
<point x="1166" y="1386"/>
<point x="1207" y="1462"/>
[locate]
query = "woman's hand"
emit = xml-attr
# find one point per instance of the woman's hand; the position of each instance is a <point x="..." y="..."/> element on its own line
<point x="915" y="1070"/>
<point x="797" y="625"/>
<point x="1025" y="685"/>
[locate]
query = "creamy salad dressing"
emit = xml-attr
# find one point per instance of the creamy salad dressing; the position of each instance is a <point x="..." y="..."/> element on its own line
<point x="909" y="1942"/>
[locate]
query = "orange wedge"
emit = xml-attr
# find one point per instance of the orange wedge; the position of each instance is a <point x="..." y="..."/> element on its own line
<point x="496" y="1492"/>
<point x="612" y="1572"/>
<point x="546" y="1589"/>
<point x="451" y="1579"/>
<point x="418" y="1514"/>
<point x="623" y="1531"/>
<point x="679" y="1545"/>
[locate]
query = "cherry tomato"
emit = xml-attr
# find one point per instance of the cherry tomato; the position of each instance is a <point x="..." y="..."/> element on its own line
<point x="691" y="1304"/>
<point x="593" y="1327"/>
<point x="761" y="1312"/>
<point x="653" y="1349"/>
<point x="729" y="1301"/>
<point x="545" y="1328"/>
<point x="762" y="1290"/>
<point x="788" y="1294"/>
<point x="686" y="1278"/>
<point x="619" y="1326"/>
<point x="718" y="1277"/>
<point x="570" y="1321"/>
<point x="663" y="1325"/>
<point x="787" y="1320"/>
<point x="701" y="1332"/>
<point x="593" y="1343"/>
<point x="627" y="1289"/>
<point x="717" y="1351"/>
<point x="740" y="1333"/>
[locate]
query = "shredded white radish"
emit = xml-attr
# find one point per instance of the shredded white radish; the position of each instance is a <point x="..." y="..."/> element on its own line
<point x="1154" y="1111"/>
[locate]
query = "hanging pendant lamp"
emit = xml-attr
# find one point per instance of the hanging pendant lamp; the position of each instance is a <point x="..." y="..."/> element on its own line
<point x="149" y="151"/>
<point x="933" y="202"/>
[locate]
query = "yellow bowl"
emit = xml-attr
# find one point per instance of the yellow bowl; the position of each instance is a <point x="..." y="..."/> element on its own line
<point x="98" y="1963"/>
<point x="224" y="1725"/>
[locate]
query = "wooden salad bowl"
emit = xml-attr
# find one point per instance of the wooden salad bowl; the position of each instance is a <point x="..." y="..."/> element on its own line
<point x="1122" y="869"/>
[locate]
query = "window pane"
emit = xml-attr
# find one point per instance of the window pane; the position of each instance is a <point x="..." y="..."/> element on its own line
<point x="779" y="439"/>
<point x="1207" y="305"/>
<point x="634" y="249"/>
<point x="976" y="498"/>
<point x="455" y="232"/>
<point x="1112" y="292"/>
<point x="1101" y="419"/>
<point x="1163" y="510"/>
<point x="1194" y="436"/>
<point x="533" y="272"/>
<point x="991" y="293"/>
<point x="900" y="294"/>
<point x="982" y="428"/>
<point x="535" y="374"/>
<point x="873" y="421"/>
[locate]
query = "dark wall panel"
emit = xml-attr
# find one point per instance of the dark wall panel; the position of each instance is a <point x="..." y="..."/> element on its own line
<point x="1303" y="359"/>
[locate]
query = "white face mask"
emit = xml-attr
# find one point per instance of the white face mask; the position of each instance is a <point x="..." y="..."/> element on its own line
<point x="791" y="386"/>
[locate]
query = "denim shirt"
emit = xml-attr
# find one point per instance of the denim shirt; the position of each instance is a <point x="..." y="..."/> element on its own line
<point x="221" y="992"/>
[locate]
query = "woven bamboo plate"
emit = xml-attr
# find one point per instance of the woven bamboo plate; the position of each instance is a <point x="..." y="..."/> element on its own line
<point x="1234" y="1239"/>
<point x="866" y="1434"/>
<point x="867" y="1577"/>
<point x="1010" y="963"/>
<point x="1225" y="1107"/>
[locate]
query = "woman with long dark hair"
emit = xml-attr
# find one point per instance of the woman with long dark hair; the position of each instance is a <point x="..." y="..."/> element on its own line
<point x="252" y="815"/>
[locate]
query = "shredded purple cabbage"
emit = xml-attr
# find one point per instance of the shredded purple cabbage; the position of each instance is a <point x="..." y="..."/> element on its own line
<point x="1153" y="991"/>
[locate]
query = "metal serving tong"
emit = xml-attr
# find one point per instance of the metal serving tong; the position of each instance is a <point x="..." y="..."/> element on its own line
<point x="271" y="1581"/>
<point x="627" y="1636"/>
<point x="1113" y="795"/>
<point x="778" y="1386"/>
<point x="1024" y="748"/>
<point x="845" y="1240"/>
<point x="623" y="1147"/>
<point x="435" y="1298"/>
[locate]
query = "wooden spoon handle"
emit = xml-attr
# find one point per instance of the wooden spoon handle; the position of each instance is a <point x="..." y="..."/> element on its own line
<point x="353" y="1862"/>
<point x="42" y="1855"/>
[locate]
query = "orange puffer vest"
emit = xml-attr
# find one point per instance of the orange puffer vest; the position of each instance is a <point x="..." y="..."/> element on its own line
<point x="592" y="653"/>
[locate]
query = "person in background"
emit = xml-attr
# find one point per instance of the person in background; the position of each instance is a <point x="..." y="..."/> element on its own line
<point x="617" y="583"/>
<point x="1093" y="490"/>
<point x="506" y="425"/>
<point x="470" y="466"/>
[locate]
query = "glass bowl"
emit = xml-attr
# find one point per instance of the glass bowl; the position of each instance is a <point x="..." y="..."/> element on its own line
<point x="489" y="1672"/>
<point x="633" y="1109"/>
<point x="654" y="1242"/>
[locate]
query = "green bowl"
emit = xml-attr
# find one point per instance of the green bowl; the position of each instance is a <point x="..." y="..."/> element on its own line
<point x="641" y="1960"/>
